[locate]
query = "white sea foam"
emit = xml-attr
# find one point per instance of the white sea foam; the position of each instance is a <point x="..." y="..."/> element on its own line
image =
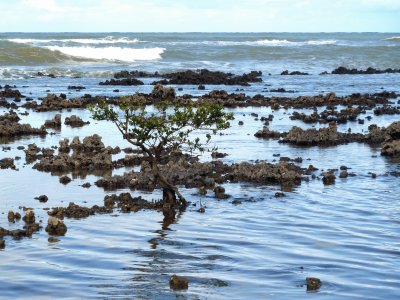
<point x="265" y="43"/>
<point x="110" y="53"/>
<point x="106" y="40"/>
<point x="393" y="38"/>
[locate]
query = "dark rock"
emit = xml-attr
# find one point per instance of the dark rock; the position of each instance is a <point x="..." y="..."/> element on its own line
<point x="344" y="70"/>
<point x="219" y="192"/>
<point x="343" y="174"/>
<point x="313" y="283"/>
<point x="55" y="227"/>
<point x="65" y="180"/>
<point x="178" y="283"/>
<point x="54" y="123"/>
<point x="391" y="144"/>
<point x="29" y="217"/>
<point x="123" y="82"/>
<point x="216" y="154"/>
<point x="279" y="194"/>
<point x="76" y="87"/>
<point x="328" y="178"/>
<point x="86" y="185"/>
<point x="10" y="93"/>
<point x="286" y="72"/>
<point x="241" y="123"/>
<point x="201" y="77"/>
<point x="75" y="121"/>
<point x="201" y="87"/>
<point x="42" y="198"/>
<point x="7" y="163"/>
<point x="2" y="244"/>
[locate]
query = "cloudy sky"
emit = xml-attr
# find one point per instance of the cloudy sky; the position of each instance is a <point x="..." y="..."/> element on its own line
<point x="199" y="15"/>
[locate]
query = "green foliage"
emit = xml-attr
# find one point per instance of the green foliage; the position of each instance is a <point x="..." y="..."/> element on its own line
<point x="167" y="127"/>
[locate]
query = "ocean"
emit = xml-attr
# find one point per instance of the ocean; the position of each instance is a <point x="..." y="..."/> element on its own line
<point x="252" y="245"/>
<point x="99" y="54"/>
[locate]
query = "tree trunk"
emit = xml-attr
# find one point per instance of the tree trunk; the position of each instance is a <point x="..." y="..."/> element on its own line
<point x="170" y="192"/>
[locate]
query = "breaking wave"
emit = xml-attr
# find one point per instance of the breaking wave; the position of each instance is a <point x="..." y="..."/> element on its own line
<point x="110" y="53"/>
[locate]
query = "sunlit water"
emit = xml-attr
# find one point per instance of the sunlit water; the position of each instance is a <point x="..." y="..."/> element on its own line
<point x="346" y="234"/>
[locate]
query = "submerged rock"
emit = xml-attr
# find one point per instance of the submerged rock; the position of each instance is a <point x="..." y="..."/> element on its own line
<point x="328" y="178"/>
<point x="178" y="282"/>
<point x="313" y="283"/>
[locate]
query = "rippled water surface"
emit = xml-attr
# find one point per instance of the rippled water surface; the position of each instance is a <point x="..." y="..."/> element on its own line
<point x="346" y="234"/>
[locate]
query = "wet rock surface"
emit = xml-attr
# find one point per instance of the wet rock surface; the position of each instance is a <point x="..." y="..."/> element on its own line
<point x="204" y="76"/>
<point x="178" y="282"/>
<point x="313" y="284"/>
<point x="75" y="121"/>
<point x="7" y="163"/>
<point x="54" y="123"/>
<point x="370" y="70"/>
<point x="10" y="127"/>
<point x="55" y="227"/>
<point x="90" y="154"/>
<point x="122" y="82"/>
<point x="391" y="144"/>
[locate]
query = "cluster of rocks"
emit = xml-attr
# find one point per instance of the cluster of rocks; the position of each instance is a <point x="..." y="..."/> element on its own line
<point x="344" y="70"/>
<point x="30" y="227"/>
<point x="53" y="102"/>
<point x="205" y="76"/>
<point x="10" y="93"/>
<point x="209" y="174"/>
<point x="329" y="136"/>
<point x="123" y="82"/>
<point x="90" y="154"/>
<point x="329" y="115"/>
<point x="10" y="127"/>
<point x="286" y="72"/>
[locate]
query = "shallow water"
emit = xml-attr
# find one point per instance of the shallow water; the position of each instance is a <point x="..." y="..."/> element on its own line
<point x="346" y="234"/>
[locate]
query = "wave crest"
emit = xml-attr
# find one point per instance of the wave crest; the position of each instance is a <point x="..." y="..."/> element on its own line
<point x="106" y="40"/>
<point x="110" y="53"/>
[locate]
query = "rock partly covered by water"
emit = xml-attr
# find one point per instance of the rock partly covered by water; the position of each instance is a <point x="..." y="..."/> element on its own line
<point x="122" y="82"/>
<point x="391" y="144"/>
<point x="344" y="70"/>
<point x="7" y="163"/>
<point x="10" y="127"/>
<point x="91" y="154"/>
<point x="329" y="136"/>
<point x="205" y="76"/>
<point x="178" y="283"/>
<point x="55" y="227"/>
<point x="75" y="121"/>
<point x="54" y="123"/>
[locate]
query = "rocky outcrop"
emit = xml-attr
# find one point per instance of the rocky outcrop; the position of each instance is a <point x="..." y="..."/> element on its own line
<point x="10" y="127"/>
<point x="329" y="136"/>
<point x="204" y="76"/>
<point x="7" y="163"/>
<point x="75" y="121"/>
<point x="54" y="123"/>
<point x="391" y="144"/>
<point x="122" y="82"/>
<point x="344" y="70"/>
<point x="89" y="155"/>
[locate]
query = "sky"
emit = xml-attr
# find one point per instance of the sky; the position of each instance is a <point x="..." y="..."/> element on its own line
<point x="199" y="15"/>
